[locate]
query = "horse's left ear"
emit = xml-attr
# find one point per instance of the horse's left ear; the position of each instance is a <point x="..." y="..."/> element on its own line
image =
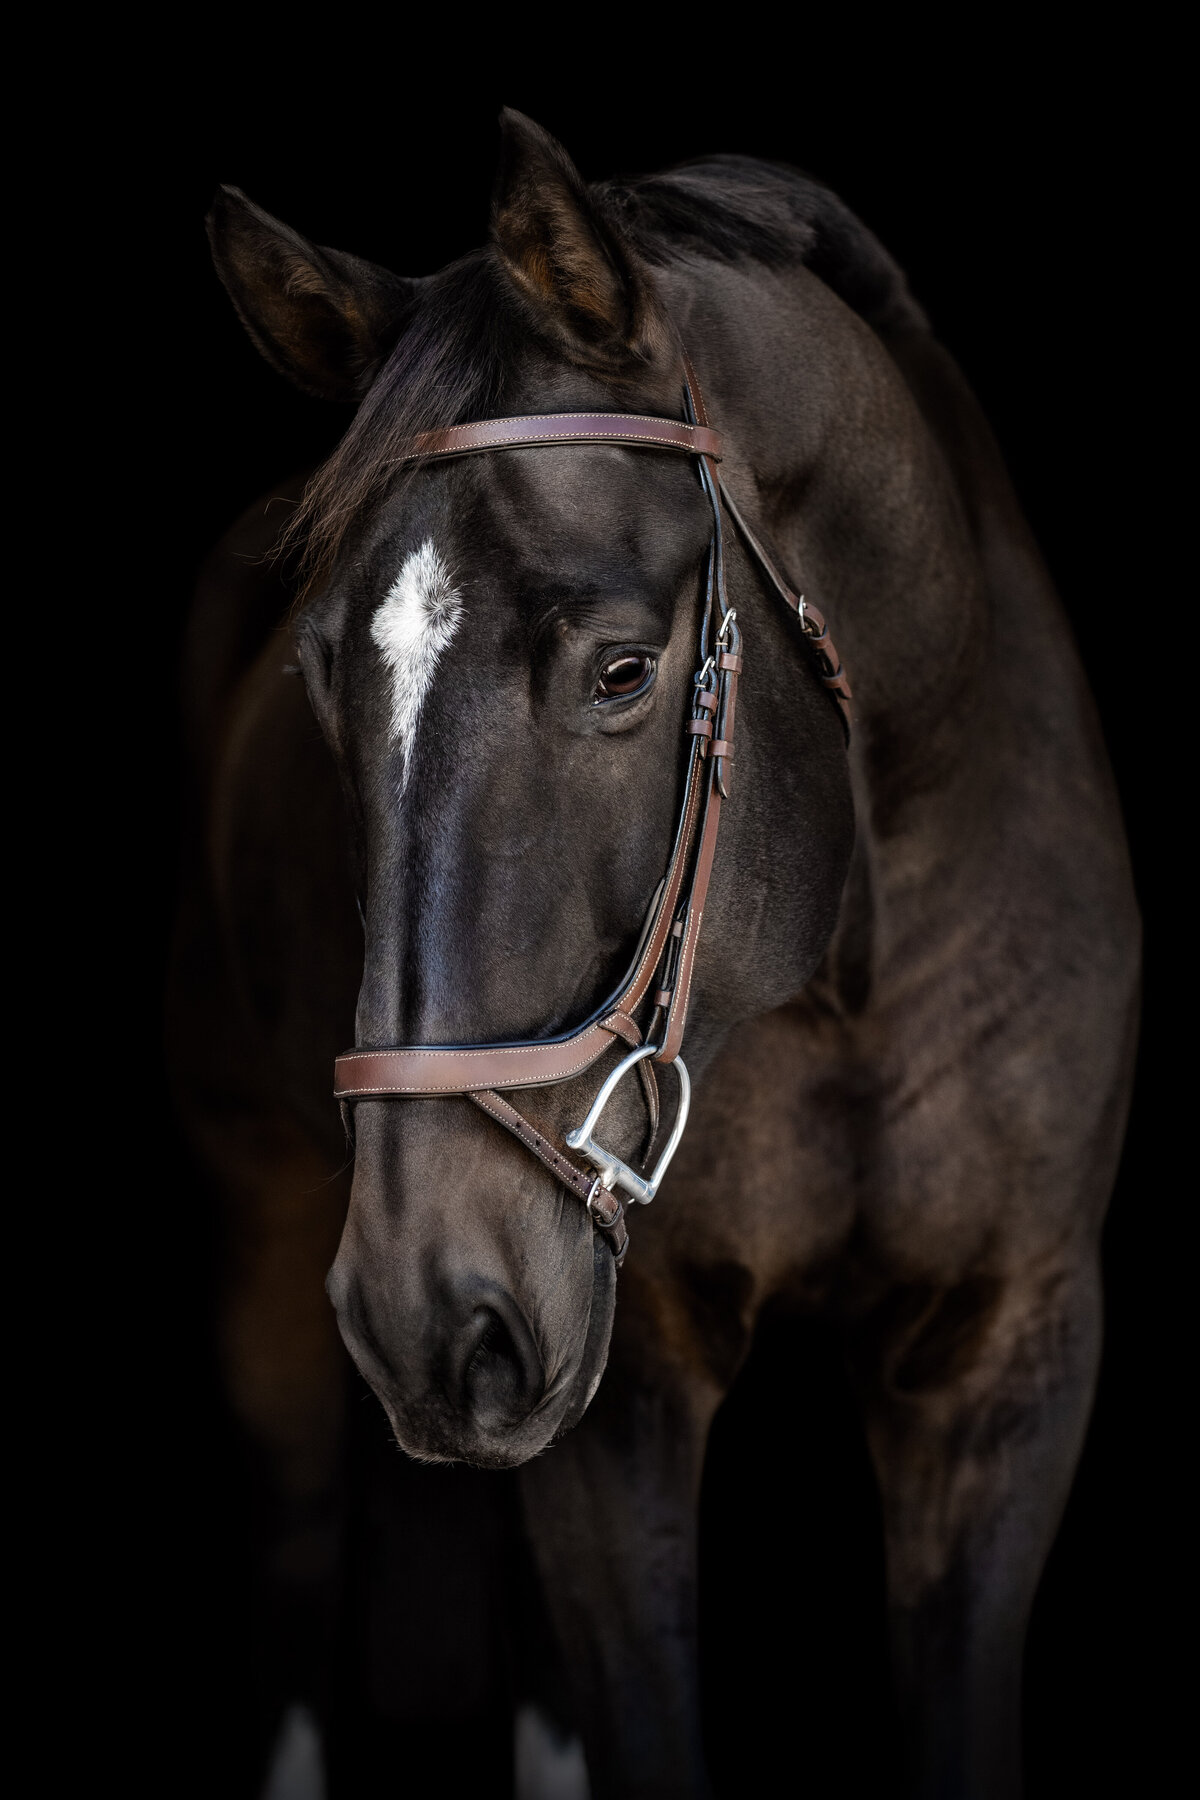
<point x="573" y="268"/>
<point x="324" y="319"/>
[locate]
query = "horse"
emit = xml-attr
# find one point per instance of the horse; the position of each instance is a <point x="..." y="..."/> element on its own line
<point x="444" y="741"/>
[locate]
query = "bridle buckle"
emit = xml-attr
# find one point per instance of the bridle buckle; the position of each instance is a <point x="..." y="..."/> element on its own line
<point x="613" y="1172"/>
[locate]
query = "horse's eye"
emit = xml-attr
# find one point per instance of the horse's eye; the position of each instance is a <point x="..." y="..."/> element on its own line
<point x="624" y="676"/>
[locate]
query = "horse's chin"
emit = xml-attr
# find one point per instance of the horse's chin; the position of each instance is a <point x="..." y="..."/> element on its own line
<point x="588" y="1375"/>
<point x="442" y="1438"/>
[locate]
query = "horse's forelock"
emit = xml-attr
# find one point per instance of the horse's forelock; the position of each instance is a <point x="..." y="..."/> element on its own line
<point x="448" y="366"/>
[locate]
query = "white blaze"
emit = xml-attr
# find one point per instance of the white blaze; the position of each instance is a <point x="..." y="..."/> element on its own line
<point x="412" y="628"/>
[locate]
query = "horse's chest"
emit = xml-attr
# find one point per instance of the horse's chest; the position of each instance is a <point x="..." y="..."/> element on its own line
<point x="828" y="1153"/>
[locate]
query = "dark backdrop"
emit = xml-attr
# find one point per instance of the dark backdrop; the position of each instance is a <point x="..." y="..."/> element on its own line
<point x="1014" y="183"/>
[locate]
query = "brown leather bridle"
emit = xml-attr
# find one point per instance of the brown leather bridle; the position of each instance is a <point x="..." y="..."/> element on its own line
<point x="662" y="967"/>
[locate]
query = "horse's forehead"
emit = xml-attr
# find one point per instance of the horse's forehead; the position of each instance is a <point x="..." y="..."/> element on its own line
<point x="520" y="528"/>
<point x="475" y="547"/>
<point x="576" y="501"/>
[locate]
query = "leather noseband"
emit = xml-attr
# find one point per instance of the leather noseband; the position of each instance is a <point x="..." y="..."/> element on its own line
<point x="661" y="971"/>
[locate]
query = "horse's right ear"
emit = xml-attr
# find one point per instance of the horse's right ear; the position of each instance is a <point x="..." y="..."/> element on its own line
<point x="324" y="319"/>
<point x="574" y="270"/>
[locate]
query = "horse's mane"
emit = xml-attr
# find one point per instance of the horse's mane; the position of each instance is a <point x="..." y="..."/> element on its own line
<point x="738" y="209"/>
<point x="450" y="360"/>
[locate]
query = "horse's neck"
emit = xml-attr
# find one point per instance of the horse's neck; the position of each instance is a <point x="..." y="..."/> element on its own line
<point x="860" y="461"/>
<point x="835" y="454"/>
<point x="879" y="533"/>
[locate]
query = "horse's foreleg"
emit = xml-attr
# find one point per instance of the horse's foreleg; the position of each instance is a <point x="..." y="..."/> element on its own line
<point x="284" y="1373"/>
<point x="976" y="1410"/>
<point x="611" y="1513"/>
<point x="283" y="1359"/>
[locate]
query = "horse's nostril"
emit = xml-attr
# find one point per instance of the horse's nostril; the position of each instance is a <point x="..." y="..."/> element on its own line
<point x="490" y="1338"/>
<point x="500" y="1371"/>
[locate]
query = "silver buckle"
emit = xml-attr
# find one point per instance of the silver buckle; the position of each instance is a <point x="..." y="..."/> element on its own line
<point x="614" y="1172"/>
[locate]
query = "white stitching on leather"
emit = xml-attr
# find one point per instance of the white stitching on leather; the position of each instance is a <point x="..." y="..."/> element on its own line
<point x="411" y="1088"/>
<point x="450" y="1050"/>
<point x="532" y="1138"/>
<point x="693" y="801"/>
<point x="537" y="419"/>
<point x="682" y="999"/>
<point x="683" y="436"/>
<point x="558" y="437"/>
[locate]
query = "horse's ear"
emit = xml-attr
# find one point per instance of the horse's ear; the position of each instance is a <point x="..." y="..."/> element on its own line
<point x="324" y="319"/>
<point x="571" y="265"/>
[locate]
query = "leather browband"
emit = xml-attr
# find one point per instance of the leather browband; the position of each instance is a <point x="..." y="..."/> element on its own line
<point x="566" y="428"/>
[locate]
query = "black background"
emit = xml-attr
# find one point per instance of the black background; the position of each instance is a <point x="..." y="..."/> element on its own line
<point x="1015" y="180"/>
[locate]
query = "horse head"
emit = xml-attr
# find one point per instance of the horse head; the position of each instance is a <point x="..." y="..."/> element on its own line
<point x="500" y="650"/>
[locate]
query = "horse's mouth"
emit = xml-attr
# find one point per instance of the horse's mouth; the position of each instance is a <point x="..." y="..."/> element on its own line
<point x="498" y="1427"/>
